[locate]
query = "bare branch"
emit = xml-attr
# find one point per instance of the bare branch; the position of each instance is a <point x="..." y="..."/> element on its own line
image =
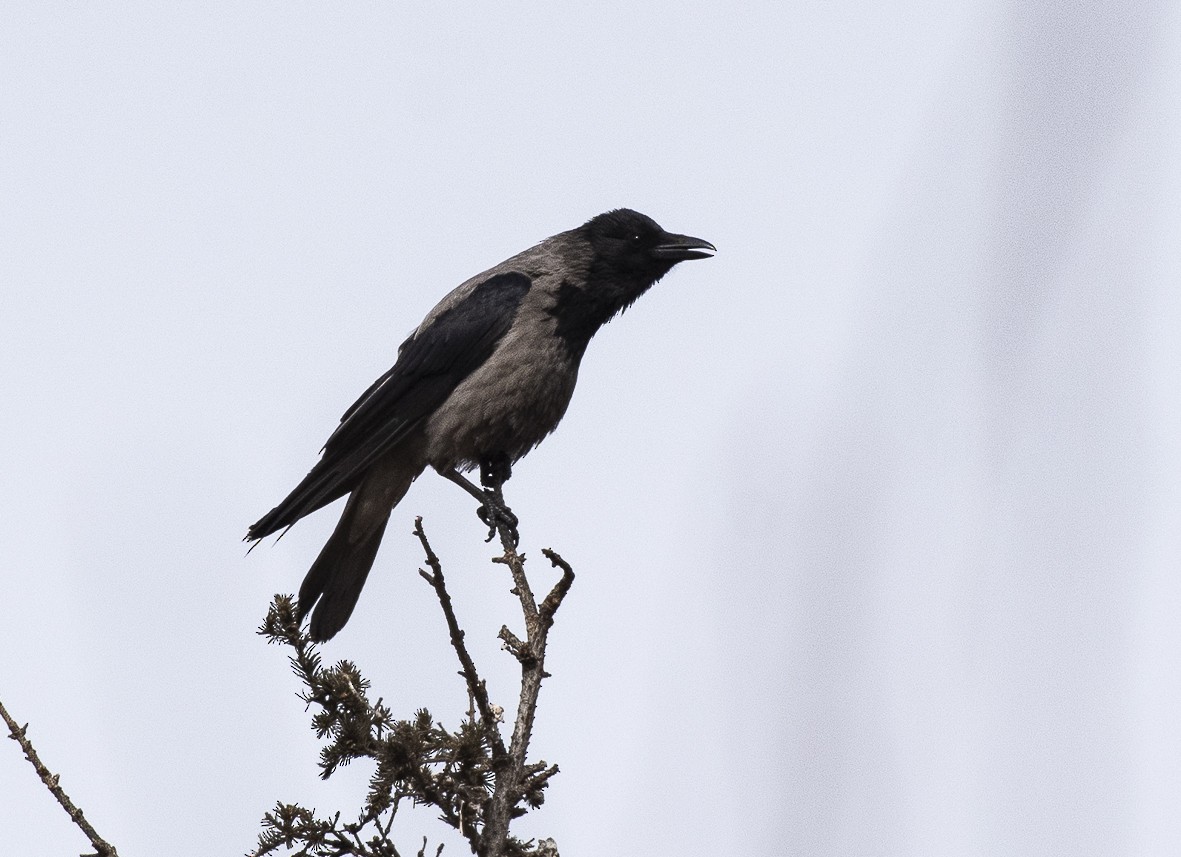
<point x="514" y="646"/>
<point x="475" y="685"/>
<point x="554" y="600"/>
<point x="18" y="734"/>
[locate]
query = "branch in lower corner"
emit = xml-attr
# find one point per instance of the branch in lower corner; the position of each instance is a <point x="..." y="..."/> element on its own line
<point x="51" y="781"/>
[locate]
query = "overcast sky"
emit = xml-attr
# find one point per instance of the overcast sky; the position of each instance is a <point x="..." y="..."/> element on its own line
<point x="874" y="515"/>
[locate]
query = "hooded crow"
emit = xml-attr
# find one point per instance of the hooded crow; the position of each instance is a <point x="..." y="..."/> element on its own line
<point x="485" y="377"/>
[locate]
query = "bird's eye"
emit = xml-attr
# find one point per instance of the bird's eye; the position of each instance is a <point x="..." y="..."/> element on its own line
<point x="636" y="239"/>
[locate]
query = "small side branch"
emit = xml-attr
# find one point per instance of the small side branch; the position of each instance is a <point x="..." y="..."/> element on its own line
<point x="18" y="734"/>
<point x="554" y="600"/>
<point x="475" y="685"/>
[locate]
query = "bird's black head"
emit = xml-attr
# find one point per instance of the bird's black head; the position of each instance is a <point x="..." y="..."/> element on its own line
<point x="629" y="252"/>
<point x="634" y="246"/>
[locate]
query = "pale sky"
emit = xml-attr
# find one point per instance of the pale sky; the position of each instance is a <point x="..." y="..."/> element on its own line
<point x="874" y="515"/>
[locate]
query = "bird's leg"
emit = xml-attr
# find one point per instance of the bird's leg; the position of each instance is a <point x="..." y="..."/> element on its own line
<point x="495" y="471"/>
<point x="463" y="482"/>
<point x="492" y="509"/>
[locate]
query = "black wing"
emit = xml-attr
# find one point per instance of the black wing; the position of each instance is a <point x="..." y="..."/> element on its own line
<point x="429" y="367"/>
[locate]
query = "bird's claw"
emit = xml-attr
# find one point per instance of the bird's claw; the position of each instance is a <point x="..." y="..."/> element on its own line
<point x="495" y="515"/>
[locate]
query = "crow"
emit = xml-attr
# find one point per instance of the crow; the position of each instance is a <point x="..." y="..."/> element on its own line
<point x="485" y="377"/>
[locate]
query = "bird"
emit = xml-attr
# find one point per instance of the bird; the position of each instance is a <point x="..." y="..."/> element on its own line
<point x="485" y="377"/>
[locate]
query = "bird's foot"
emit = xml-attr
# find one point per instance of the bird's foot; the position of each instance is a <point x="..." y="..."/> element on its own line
<point x="492" y="511"/>
<point x="495" y="515"/>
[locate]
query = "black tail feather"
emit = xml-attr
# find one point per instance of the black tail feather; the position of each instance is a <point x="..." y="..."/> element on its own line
<point x="319" y="488"/>
<point x="333" y="584"/>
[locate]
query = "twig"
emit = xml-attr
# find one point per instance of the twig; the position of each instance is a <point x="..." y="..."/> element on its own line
<point x="17" y="733"/>
<point x="554" y="600"/>
<point x="475" y="685"/>
<point x="514" y="646"/>
<point x="539" y="774"/>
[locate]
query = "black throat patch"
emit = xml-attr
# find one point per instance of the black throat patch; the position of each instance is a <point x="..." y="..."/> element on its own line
<point x="580" y="312"/>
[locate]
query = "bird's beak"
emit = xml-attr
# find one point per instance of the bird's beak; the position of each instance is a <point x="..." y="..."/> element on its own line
<point x="678" y="248"/>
